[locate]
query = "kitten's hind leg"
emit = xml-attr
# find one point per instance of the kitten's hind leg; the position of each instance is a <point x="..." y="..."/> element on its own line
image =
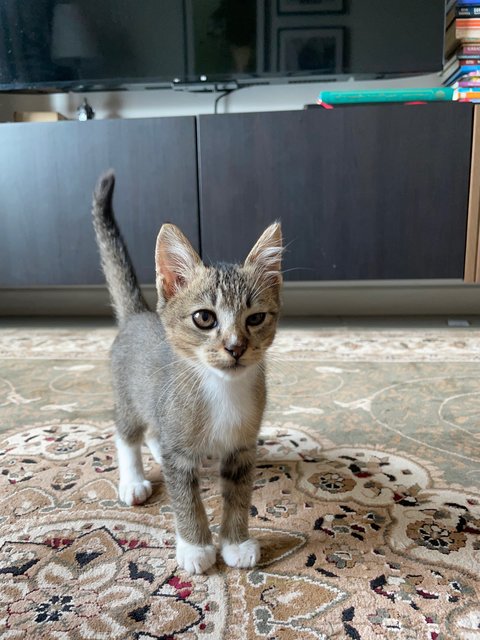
<point x="134" y="488"/>
<point x="154" y="446"/>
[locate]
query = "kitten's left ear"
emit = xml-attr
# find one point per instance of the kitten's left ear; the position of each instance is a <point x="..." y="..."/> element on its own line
<point x="266" y="255"/>
<point x="175" y="260"/>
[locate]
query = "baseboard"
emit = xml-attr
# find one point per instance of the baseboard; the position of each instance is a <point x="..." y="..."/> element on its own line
<point x="382" y="298"/>
<point x="404" y="297"/>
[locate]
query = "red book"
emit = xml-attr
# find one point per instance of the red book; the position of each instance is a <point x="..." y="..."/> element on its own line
<point x="469" y="50"/>
<point x="467" y="23"/>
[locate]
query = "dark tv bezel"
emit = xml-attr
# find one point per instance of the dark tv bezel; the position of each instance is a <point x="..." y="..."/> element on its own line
<point x="200" y="83"/>
<point x="220" y="82"/>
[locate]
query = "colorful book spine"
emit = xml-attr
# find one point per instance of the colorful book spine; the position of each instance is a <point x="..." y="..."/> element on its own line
<point x="473" y="96"/>
<point x="467" y="3"/>
<point x="472" y="82"/>
<point x="467" y="22"/>
<point x="467" y="12"/>
<point x="471" y="74"/>
<point x="463" y="71"/>
<point x="467" y="27"/>
<point x="469" y="49"/>
<point x="387" y="95"/>
<point x="452" y="67"/>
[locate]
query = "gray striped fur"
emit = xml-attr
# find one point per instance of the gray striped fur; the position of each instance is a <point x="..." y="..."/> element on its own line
<point x="122" y="282"/>
<point x="172" y="384"/>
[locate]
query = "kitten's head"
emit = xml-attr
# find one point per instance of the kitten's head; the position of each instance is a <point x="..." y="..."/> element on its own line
<point x="222" y="317"/>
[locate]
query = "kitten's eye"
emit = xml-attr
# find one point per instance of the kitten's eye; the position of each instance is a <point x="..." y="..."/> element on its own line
<point x="255" y="319"/>
<point x="204" y="319"/>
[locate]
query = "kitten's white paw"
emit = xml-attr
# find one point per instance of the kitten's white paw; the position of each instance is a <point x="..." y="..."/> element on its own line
<point x="195" y="558"/>
<point x="242" y="556"/>
<point x="132" y="493"/>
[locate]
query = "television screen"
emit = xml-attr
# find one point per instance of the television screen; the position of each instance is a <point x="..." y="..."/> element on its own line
<point x="94" y="44"/>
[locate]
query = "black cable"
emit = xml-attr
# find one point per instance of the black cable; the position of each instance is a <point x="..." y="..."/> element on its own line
<point x="222" y="95"/>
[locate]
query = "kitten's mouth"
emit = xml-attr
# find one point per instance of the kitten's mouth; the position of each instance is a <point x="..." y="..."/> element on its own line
<point x="231" y="370"/>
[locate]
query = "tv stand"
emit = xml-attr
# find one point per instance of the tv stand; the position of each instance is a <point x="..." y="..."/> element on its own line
<point x="366" y="193"/>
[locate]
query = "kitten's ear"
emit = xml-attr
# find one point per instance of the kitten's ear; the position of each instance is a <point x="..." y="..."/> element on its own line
<point x="266" y="255"/>
<point x="175" y="261"/>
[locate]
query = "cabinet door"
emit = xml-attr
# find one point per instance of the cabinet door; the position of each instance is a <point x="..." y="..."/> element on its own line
<point x="363" y="192"/>
<point x="47" y="175"/>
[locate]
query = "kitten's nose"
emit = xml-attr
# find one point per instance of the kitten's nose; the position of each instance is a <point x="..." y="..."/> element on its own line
<point x="236" y="350"/>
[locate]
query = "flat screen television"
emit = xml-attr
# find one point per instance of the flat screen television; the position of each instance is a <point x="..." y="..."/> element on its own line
<point x="55" y="45"/>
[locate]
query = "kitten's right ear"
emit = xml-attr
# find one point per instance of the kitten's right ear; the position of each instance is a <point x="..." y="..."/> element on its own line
<point x="175" y="261"/>
<point x="266" y="255"/>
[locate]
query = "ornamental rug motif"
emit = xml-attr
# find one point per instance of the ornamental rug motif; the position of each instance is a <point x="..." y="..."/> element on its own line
<point x="366" y="498"/>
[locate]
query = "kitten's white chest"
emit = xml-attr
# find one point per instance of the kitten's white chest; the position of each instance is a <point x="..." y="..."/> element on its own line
<point x="231" y="407"/>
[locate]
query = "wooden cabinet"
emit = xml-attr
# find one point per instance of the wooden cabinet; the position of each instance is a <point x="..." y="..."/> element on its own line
<point x="47" y="175"/>
<point x="363" y="192"/>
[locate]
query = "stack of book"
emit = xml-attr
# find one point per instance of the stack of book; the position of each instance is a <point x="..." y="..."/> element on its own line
<point x="462" y="49"/>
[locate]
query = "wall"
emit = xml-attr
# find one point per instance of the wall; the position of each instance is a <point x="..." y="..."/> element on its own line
<point x="165" y="102"/>
<point x="373" y="298"/>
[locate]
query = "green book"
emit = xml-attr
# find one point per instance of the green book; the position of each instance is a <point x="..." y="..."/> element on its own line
<point x="386" y="95"/>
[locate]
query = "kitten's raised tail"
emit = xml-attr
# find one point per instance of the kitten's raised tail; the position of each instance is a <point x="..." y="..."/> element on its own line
<point x="122" y="282"/>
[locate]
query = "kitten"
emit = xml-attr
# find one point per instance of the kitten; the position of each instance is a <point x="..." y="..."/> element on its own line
<point x="189" y="380"/>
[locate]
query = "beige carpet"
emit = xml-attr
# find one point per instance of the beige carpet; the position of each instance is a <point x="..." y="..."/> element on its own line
<point x="366" y="498"/>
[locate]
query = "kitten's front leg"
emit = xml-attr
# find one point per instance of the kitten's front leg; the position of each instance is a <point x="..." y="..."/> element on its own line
<point x="195" y="551"/>
<point x="134" y="488"/>
<point x="238" y="550"/>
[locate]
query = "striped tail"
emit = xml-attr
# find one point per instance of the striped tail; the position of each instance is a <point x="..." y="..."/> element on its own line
<point x="125" y="293"/>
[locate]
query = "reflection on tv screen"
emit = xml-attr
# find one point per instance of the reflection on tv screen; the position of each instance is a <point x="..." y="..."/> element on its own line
<point x="64" y="44"/>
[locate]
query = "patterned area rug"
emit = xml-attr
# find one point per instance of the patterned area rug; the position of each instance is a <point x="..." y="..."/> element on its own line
<point x="366" y="498"/>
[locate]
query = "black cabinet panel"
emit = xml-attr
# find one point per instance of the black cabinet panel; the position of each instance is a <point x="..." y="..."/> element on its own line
<point x="47" y="175"/>
<point x="363" y="192"/>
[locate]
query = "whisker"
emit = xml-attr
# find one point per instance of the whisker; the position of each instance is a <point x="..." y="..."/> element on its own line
<point x="297" y="269"/>
<point x="169" y="364"/>
<point x="176" y="380"/>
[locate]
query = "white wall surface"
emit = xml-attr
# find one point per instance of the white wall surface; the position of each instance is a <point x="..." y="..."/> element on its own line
<point x="165" y="102"/>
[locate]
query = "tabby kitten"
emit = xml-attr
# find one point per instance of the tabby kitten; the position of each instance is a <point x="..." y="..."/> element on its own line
<point x="189" y="380"/>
